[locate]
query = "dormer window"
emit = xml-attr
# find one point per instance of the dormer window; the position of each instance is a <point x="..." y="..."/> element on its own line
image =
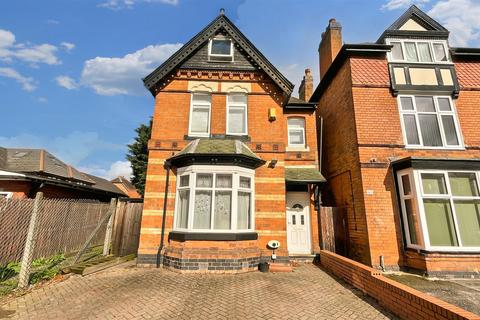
<point x="220" y="49"/>
<point x="418" y="51"/>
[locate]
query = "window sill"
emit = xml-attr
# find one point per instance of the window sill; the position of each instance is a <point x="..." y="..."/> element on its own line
<point x="212" y="236"/>
<point x="435" y="148"/>
<point x="297" y="149"/>
<point x="453" y="251"/>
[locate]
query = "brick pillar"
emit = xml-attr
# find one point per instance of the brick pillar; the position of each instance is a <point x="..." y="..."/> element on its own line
<point x="330" y="45"/>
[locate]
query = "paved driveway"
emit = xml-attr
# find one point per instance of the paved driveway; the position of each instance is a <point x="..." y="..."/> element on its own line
<point x="134" y="293"/>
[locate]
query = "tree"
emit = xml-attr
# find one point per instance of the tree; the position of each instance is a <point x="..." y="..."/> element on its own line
<point x="138" y="156"/>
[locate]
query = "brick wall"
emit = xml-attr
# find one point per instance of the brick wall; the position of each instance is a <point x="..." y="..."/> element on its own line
<point x="405" y="302"/>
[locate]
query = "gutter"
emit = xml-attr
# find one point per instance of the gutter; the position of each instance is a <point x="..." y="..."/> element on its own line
<point x="165" y="198"/>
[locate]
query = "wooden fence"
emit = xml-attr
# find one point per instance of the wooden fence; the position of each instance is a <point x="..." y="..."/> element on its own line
<point x="334" y="229"/>
<point x="126" y="227"/>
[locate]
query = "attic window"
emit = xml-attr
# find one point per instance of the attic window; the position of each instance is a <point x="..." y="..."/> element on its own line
<point x="220" y="50"/>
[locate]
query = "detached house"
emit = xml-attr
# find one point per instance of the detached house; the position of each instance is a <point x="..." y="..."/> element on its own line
<point x="232" y="159"/>
<point x="401" y="146"/>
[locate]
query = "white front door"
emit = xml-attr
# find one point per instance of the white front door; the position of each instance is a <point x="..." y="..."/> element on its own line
<point x="298" y="223"/>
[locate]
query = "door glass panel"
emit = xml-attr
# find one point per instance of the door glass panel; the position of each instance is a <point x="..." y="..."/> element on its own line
<point x="430" y="130"/>
<point x="468" y="219"/>
<point x="202" y="209"/>
<point x="223" y="210"/>
<point x="293" y="219"/>
<point x="440" y="224"/>
<point x="463" y="184"/>
<point x="302" y="220"/>
<point x="433" y="183"/>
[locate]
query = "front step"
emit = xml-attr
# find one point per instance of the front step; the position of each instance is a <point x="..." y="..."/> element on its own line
<point x="303" y="258"/>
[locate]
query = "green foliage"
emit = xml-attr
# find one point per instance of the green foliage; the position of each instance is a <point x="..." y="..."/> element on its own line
<point x="9" y="270"/>
<point x="138" y="156"/>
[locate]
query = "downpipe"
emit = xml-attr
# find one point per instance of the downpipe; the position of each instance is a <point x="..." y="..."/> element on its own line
<point x="165" y="198"/>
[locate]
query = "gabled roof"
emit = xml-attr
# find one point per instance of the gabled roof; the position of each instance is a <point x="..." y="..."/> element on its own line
<point x="220" y="22"/>
<point x="432" y="27"/>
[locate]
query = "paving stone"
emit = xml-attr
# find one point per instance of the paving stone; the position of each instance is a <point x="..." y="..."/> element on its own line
<point x="140" y="293"/>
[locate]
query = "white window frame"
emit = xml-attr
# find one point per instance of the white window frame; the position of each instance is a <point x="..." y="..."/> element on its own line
<point x="202" y="105"/>
<point x="296" y="145"/>
<point x="213" y="55"/>
<point x="237" y="106"/>
<point x="416" y="41"/>
<point x="236" y="173"/>
<point x="7" y="194"/>
<point x="439" y="114"/>
<point x="419" y="195"/>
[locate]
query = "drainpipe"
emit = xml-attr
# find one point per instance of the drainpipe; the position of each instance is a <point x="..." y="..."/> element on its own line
<point x="160" y="247"/>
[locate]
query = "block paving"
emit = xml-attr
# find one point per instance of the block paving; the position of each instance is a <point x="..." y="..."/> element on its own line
<point x="127" y="292"/>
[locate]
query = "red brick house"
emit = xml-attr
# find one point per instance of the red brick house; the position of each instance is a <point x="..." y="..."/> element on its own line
<point x="24" y="172"/>
<point x="232" y="159"/>
<point x="401" y="146"/>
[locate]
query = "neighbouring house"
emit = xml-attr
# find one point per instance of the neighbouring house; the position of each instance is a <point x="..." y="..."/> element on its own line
<point x="126" y="186"/>
<point x="401" y="146"/>
<point x="233" y="159"/>
<point x="24" y="172"/>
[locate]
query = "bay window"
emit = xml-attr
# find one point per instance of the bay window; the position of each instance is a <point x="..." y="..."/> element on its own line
<point x="429" y="121"/>
<point x="200" y="110"/>
<point x="418" y="51"/>
<point x="214" y="199"/>
<point x="441" y="209"/>
<point x="237" y="120"/>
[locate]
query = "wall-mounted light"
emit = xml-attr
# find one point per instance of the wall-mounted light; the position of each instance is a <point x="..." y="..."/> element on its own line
<point x="272" y="114"/>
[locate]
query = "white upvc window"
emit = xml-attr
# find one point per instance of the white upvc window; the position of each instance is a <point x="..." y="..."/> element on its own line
<point x="200" y="115"/>
<point x="214" y="199"/>
<point x="237" y="114"/>
<point x="5" y="195"/>
<point x="429" y="122"/>
<point x="419" y="51"/>
<point x="296" y="132"/>
<point x="220" y="49"/>
<point x="440" y="209"/>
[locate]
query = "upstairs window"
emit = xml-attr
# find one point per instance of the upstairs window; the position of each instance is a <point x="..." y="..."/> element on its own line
<point x="237" y="114"/>
<point x="429" y="121"/>
<point x="296" y="132"/>
<point x="220" y="49"/>
<point x="200" y="115"/>
<point x="418" y="51"/>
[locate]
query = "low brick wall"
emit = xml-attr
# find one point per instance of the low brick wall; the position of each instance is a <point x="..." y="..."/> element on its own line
<point x="405" y="302"/>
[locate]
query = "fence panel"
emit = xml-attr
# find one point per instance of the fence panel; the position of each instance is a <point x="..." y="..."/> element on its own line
<point x="126" y="233"/>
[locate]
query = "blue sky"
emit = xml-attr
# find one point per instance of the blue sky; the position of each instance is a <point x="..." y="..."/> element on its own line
<point x="70" y="70"/>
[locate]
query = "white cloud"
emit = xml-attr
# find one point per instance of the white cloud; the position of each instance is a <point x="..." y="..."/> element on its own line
<point x="117" y="168"/>
<point x="461" y="17"/>
<point x="42" y="100"/>
<point x="66" y="82"/>
<point x="28" y="84"/>
<point x="42" y="53"/>
<point x="129" y="4"/>
<point x="72" y="148"/>
<point x="114" y="76"/>
<point x="68" y="46"/>
<point x="399" y="4"/>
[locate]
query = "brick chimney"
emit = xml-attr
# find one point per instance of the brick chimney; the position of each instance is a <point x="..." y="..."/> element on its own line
<point x="330" y="45"/>
<point x="305" y="90"/>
